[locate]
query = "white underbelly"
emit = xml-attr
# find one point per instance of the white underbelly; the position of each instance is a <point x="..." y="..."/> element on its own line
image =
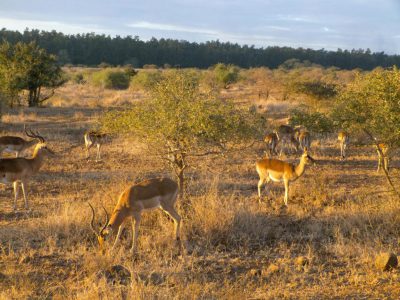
<point x="275" y="179"/>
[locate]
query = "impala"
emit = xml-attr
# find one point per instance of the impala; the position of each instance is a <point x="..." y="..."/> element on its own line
<point x="20" y="170"/>
<point x="272" y="141"/>
<point x="149" y="194"/>
<point x="343" y="139"/>
<point x="304" y="139"/>
<point x="17" y="144"/>
<point x="281" y="171"/>
<point x="383" y="156"/>
<point x="94" y="138"/>
<point x="286" y="136"/>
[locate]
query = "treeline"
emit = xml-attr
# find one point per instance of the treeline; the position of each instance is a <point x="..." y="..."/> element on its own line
<point x="92" y="49"/>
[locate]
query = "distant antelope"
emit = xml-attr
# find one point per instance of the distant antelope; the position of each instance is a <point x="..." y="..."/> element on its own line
<point x="17" y="144"/>
<point x="343" y="139"/>
<point x="149" y="194"/>
<point x="383" y="159"/>
<point x="304" y="139"/>
<point x="94" y="138"/>
<point x="280" y="171"/>
<point x="286" y="136"/>
<point x="271" y="140"/>
<point x="20" y="170"/>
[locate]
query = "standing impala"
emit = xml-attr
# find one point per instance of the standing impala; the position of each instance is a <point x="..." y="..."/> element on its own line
<point x="383" y="156"/>
<point x="94" y="138"/>
<point x="17" y="144"/>
<point x="280" y="171"/>
<point x="304" y="139"/>
<point x="272" y="141"/>
<point x="286" y="138"/>
<point x="343" y="138"/>
<point x="20" y="170"/>
<point x="149" y="194"/>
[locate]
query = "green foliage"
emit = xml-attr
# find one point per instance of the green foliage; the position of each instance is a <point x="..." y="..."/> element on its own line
<point x="226" y="74"/>
<point x="145" y="80"/>
<point x="111" y="79"/>
<point x="372" y="102"/>
<point x="180" y="122"/>
<point x="28" y="67"/>
<point x="316" y="89"/>
<point x="314" y="121"/>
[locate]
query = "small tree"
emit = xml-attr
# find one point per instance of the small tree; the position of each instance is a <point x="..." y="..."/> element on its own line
<point x="372" y="103"/>
<point x="28" y="67"/>
<point x="180" y="122"/>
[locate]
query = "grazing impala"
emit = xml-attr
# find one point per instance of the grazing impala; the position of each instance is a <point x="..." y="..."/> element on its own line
<point x="271" y="140"/>
<point x="286" y="138"/>
<point x="383" y="156"/>
<point x="153" y="193"/>
<point x="94" y="138"/>
<point x="17" y="144"/>
<point x="343" y="139"/>
<point x="20" y="170"/>
<point x="280" y="171"/>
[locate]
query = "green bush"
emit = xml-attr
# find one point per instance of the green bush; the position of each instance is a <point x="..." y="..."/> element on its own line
<point x="315" y="122"/>
<point x="226" y="74"/>
<point x="111" y="79"/>
<point x="145" y="80"/>
<point x="78" y="78"/>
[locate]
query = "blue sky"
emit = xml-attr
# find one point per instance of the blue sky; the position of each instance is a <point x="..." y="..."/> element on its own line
<point x="317" y="24"/>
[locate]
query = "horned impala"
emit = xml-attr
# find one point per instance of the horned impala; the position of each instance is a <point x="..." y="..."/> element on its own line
<point x="94" y="138"/>
<point x="383" y="156"/>
<point x="272" y="141"/>
<point x="149" y="194"/>
<point x="17" y="144"/>
<point x="281" y="171"/>
<point x="343" y="138"/>
<point x="20" y="170"/>
<point x="286" y="138"/>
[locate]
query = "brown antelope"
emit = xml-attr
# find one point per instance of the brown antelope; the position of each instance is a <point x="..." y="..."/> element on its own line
<point x="281" y="171"/>
<point x="20" y="170"/>
<point x="343" y="139"/>
<point x="272" y="141"/>
<point x="17" y="144"/>
<point x="286" y="136"/>
<point x="304" y="139"/>
<point x="94" y="138"/>
<point x="149" y="194"/>
<point x="383" y="156"/>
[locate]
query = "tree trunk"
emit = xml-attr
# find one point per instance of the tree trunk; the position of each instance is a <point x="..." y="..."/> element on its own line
<point x="33" y="98"/>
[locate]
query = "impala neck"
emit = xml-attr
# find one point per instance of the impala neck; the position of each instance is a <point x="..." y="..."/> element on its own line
<point x="31" y="143"/>
<point x="118" y="216"/>
<point x="37" y="158"/>
<point x="299" y="169"/>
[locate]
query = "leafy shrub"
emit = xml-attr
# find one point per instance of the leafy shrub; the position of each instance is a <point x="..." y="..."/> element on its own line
<point x="78" y="78"/>
<point x="145" y="80"/>
<point x="226" y="74"/>
<point x="150" y="66"/>
<point x="316" y="89"/>
<point x="314" y="121"/>
<point x="111" y="79"/>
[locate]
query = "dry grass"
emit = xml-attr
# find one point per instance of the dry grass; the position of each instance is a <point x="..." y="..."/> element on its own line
<point x="340" y="216"/>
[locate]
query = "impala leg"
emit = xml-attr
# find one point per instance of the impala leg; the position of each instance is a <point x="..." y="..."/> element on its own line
<point x="15" y="186"/>
<point x="16" y="154"/>
<point x="286" y="192"/>
<point x="98" y="152"/>
<point x="261" y="182"/>
<point x="177" y="221"/>
<point x="23" y="192"/>
<point x="386" y="163"/>
<point x="117" y="237"/>
<point x="379" y="162"/>
<point x="135" y="230"/>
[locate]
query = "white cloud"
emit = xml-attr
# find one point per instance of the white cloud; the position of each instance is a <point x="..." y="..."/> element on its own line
<point x="22" y="24"/>
<point x="170" y="27"/>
